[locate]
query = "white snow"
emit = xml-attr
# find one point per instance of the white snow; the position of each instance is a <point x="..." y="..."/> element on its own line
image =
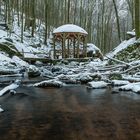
<point x="2" y="34"/>
<point x="1" y="110"/>
<point x="122" y="46"/>
<point x="123" y="14"/>
<point x="135" y="87"/>
<point x="131" y="78"/>
<point x="119" y="82"/>
<point x="25" y="50"/>
<point x="69" y="28"/>
<point x="8" y="88"/>
<point x="19" y="62"/>
<point x="92" y="47"/>
<point x="5" y="58"/>
<point x="131" y="33"/>
<point x="98" y="84"/>
<point x="49" y="83"/>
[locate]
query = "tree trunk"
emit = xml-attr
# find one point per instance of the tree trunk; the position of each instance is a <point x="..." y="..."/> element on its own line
<point x="137" y="18"/>
<point x="118" y="23"/>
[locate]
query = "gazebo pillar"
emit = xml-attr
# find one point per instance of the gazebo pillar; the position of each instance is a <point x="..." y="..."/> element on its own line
<point x="63" y="46"/>
<point x="68" y="51"/>
<point x="84" y="47"/>
<point x="78" y="45"/>
<point x="74" y="48"/>
<point x="54" y="49"/>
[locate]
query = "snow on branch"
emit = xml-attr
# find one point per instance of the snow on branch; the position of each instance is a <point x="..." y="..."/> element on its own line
<point x="12" y="87"/>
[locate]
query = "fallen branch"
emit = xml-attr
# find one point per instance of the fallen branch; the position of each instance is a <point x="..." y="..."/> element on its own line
<point x="131" y="78"/>
<point x="119" y="61"/>
<point x="112" y="68"/>
<point x="13" y="86"/>
<point x="132" y="68"/>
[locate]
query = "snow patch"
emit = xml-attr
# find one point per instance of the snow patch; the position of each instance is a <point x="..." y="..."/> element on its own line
<point x="1" y="110"/>
<point x="49" y="83"/>
<point x="98" y="84"/>
<point x="119" y="82"/>
<point x="135" y="87"/>
<point x="19" y="62"/>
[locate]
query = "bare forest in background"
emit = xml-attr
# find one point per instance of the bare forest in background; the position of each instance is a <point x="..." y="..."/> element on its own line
<point x="106" y="21"/>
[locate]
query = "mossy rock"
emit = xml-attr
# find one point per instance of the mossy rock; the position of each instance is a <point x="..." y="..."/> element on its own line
<point x="9" y="48"/>
<point x="33" y="74"/>
<point x="129" y="54"/>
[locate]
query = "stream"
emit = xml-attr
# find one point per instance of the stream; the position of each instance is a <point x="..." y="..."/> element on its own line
<point x="69" y="113"/>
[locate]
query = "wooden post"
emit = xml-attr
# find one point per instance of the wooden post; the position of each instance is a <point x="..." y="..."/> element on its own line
<point x="54" y="49"/>
<point x="68" y="52"/>
<point x="78" y="45"/>
<point x="84" y="47"/>
<point x="74" y="48"/>
<point x="64" y="36"/>
<point x="63" y="46"/>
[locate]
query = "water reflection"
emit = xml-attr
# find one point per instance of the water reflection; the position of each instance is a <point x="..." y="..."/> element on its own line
<point x="69" y="113"/>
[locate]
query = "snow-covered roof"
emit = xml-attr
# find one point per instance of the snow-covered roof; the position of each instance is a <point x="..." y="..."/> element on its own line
<point x="69" y="28"/>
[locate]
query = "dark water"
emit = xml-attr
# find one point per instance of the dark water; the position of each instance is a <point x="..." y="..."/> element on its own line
<point x="70" y="113"/>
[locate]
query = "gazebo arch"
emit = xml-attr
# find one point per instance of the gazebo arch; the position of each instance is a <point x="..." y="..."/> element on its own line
<point x="66" y="33"/>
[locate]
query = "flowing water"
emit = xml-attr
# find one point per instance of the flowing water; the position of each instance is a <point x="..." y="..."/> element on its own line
<point x="69" y="113"/>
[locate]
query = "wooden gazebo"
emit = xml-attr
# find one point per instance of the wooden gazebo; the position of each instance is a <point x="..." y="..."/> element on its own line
<point x="72" y="40"/>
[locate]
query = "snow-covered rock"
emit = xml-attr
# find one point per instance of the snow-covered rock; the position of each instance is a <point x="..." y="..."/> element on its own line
<point x="93" y="51"/>
<point x="33" y="71"/>
<point x="5" y="58"/>
<point x="49" y="83"/>
<point x="135" y="87"/>
<point x="92" y="47"/>
<point x="98" y="84"/>
<point x="119" y="82"/>
<point x="84" y="77"/>
<point x="68" y="79"/>
<point x="19" y="62"/>
<point x="46" y="73"/>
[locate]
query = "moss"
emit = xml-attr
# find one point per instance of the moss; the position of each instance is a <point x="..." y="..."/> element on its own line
<point x="115" y="77"/>
<point x="131" y="53"/>
<point x="9" y="49"/>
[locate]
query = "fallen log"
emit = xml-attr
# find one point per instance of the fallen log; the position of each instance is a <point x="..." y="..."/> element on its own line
<point x="7" y="89"/>
<point x="130" y="69"/>
<point x="119" y="61"/>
